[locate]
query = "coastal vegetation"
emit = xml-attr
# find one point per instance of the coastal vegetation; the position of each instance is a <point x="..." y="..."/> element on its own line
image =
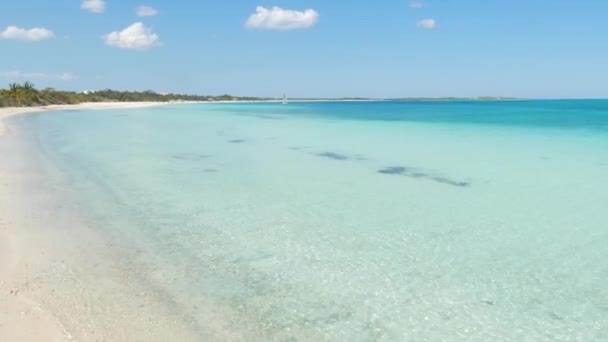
<point x="26" y="95"/>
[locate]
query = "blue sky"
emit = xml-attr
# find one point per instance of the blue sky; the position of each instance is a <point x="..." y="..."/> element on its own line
<point x="388" y="48"/>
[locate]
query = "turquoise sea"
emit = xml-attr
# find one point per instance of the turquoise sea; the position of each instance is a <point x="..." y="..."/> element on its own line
<point x="349" y="221"/>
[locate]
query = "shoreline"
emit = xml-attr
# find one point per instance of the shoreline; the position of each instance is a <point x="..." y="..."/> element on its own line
<point x="27" y="304"/>
<point x="7" y="112"/>
<point x="23" y="316"/>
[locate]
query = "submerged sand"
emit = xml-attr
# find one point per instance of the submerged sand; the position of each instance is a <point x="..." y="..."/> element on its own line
<point x="35" y="268"/>
<point x="12" y="111"/>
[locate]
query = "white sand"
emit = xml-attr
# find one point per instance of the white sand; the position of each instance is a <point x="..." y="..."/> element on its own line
<point x="23" y="316"/>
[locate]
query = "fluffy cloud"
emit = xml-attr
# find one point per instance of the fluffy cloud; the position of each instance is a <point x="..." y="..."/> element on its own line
<point x="416" y="4"/>
<point x="94" y="6"/>
<point x="277" y="18"/>
<point x="427" y="24"/>
<point x="66" y="76"/>
<point x="146" y="11"/>
<point x="136" y="36"/>
<point x="34" y="34"/>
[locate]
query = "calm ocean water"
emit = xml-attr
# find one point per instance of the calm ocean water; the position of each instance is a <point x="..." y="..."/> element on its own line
<point x="353" y="221"/>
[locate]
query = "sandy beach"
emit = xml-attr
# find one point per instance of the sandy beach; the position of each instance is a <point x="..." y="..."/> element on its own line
<point x="25" y="254"/>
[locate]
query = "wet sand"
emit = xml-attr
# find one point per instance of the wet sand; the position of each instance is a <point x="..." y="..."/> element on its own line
<point x="51" y="262"/>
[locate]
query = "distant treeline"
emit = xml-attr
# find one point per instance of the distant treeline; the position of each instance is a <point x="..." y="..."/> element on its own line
<point x="25" y="95"/>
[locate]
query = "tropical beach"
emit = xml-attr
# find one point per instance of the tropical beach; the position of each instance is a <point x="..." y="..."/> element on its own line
<point x="303" y="171"/>
<point x="27" y="253"/>
<point x="204" y="234"/>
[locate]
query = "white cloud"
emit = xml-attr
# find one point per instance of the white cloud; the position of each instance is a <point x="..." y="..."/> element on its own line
<point x="146" y="11"/>
<point x="277" y="18"/>
<point x="416" y="4"/>
<point x="136" y="36"/>
<point x="427" y="24"/>
<point x="94" y="6"/>
<point x="66" y="76"/>
<point x="34" y="34"/>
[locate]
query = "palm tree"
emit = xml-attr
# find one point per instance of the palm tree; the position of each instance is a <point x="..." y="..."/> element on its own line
<point x="14" y="91"/>
<point x="29" y="93"/>
<point x="14" y="88"/>
<point x="28" y="86"/>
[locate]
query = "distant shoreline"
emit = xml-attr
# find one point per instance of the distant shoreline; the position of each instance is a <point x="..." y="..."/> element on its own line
<point x="6" y="112"/>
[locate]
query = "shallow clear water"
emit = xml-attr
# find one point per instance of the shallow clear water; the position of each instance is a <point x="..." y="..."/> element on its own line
<point x="354" y="221"/>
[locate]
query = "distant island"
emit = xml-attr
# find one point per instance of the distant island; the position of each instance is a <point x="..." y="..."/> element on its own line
<point x="26" y="95"/>
<point x="478" y="98"/>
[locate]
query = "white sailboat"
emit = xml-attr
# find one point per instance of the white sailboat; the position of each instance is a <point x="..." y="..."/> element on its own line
<point x="284" y="99"/>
